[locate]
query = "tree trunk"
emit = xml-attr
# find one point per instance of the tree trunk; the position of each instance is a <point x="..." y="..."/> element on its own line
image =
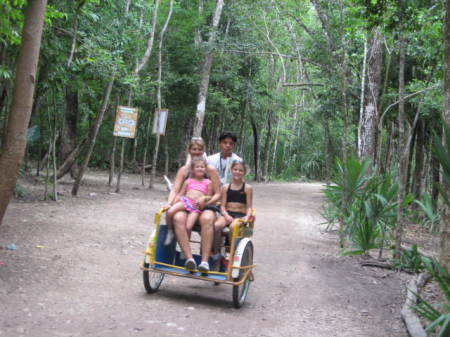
<point x="328" y="148"/>
<point x="273" y="170"/>
<point x="206" y="71"/>
<point x="148" y="51"/>
<point x="419" y="161"/>
<point x="147" y="141"/>
<point x="122" y="155"/>
<point x="402" y="157"/>
<point x="369" y="112"/>
<point x="435" y="179"/>
<point x="409" y="163"/>
<point x="16" y="132"/>
<point x="445" y="229"/>
<point x="71" y="112"/>
<point x="70" y="160"/>
<point x="69" y="130"/>
<point x="255" y="147"/>
<point x="92" y="137"/>
<point x="267" y="145"/>
<point x="241" y="127"/>
<point x="158" y="91"/>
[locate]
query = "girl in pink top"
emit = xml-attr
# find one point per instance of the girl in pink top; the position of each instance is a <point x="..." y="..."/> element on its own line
<point x="194" y="188"/>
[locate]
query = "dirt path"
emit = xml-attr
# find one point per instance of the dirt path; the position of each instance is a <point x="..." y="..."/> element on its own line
<point x="75" y="273"/>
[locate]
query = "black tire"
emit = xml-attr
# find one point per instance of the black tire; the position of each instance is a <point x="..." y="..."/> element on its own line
<point x="152" y="279"/>
<point x="240" y="292"/>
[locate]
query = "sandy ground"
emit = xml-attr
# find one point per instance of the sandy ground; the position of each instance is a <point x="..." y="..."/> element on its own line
<point x="76" y="272"/>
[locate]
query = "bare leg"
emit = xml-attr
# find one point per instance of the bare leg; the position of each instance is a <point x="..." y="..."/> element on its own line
<point x="175" y="208"/>
<point x="207" y="223"/>
<point x="190" y="222"/>
<point x="179" y="221"/>
<point x="219" y="225"/>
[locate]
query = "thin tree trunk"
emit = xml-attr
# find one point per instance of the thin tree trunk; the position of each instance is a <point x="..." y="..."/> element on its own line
<point x="198" y="34"/>
<point x="389" y="146"/>
<point x="166" y="156"/>
<point x="70" y="160"/>
<point x="92" y="137"/>
<point x="71" y="111"/>
<point x="255" y="148"/>
<point x="435" y="179"/>
<point x="127" y="6"/>
<point x="444" y="254"/>
<point x="267" y="144"/>
<point x="241" y="127"/>
<point x="206" y="71"/>
<point x="158" y="92"/>
<point x="69" y="129"/>
<point x="122" y="155"/>
<point x="402" y="160"/>
<point x="328" y="148"/>
<point x="419" y="161"/>
<point x="55" y="182"/>
<point x="148" y="51"/>
<point x="47" y="173"/>
<point x="409" y="163"/>
<point x="112" y="161"/>
<point x="16" y="132"/>
<point x="344" y="107"/>
<point x="273" y="170"/>
<point x="147" y="141"/>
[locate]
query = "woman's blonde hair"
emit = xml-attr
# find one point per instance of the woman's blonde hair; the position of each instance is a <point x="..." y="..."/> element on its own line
<point x="197" y="141"/>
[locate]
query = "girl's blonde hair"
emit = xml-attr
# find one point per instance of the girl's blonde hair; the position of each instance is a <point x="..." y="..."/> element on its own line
<point x="240" y="162"/>
<point x="198" y="159"/>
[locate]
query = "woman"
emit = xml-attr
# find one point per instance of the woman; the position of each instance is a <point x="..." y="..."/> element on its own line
<point x="196" y="148"/>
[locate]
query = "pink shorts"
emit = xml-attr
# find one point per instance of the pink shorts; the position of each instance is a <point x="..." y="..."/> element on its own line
<point x="190" y="205"/>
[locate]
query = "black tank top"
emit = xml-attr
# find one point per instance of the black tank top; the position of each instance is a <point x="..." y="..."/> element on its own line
<point x="237" y="195"/>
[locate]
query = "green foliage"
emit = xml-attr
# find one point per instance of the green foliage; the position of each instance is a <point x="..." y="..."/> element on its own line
<point x="432" y="218"/>
<point x="20" y="191"/>
<point x="363" y="203"/>
<point x="442" y="153"/>
<point x="410" y="259"/>
<point x="440" y="319"/>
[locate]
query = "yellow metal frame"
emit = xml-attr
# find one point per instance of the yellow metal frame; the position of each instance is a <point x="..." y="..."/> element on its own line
<point x="237" y="232"/>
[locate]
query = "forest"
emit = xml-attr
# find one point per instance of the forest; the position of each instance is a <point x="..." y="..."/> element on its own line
<point x="354" y="93"/>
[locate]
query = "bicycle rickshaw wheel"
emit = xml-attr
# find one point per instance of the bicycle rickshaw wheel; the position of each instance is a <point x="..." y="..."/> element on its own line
<point x="152" y="279"/>
<point x="240" y="292"/>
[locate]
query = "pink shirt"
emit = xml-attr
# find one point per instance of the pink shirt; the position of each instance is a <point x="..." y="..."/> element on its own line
<point x="201" y="186"/>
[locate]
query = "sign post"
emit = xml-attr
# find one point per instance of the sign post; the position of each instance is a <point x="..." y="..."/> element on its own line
<point x="160" y="121"/>
<point x="126" y="122"/>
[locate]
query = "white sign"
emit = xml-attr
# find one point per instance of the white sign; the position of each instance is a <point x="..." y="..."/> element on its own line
<point x="160" y="121"/>
<point x="126" y="122"/>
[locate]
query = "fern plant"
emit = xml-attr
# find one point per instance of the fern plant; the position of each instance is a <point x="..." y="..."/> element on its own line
<point x="432" y="216"/>
<point x="440" y="319"/>
<point x="364" y="204"/>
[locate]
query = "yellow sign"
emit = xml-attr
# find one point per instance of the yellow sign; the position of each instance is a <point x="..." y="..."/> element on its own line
<point x="126" y="121"/>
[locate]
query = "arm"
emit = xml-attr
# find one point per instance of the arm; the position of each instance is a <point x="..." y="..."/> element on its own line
<point x="177" y="185"/>
<point x="182" y="190"/>
<point x="215" y="185"/>
<point x="249" y="193"/>
<point x="223" y="205"/>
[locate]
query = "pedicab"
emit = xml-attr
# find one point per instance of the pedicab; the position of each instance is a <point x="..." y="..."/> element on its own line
<point x="235" y="267"/>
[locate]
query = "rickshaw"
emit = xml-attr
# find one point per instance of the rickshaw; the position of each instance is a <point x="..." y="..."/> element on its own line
<point x="234" y="268"/>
